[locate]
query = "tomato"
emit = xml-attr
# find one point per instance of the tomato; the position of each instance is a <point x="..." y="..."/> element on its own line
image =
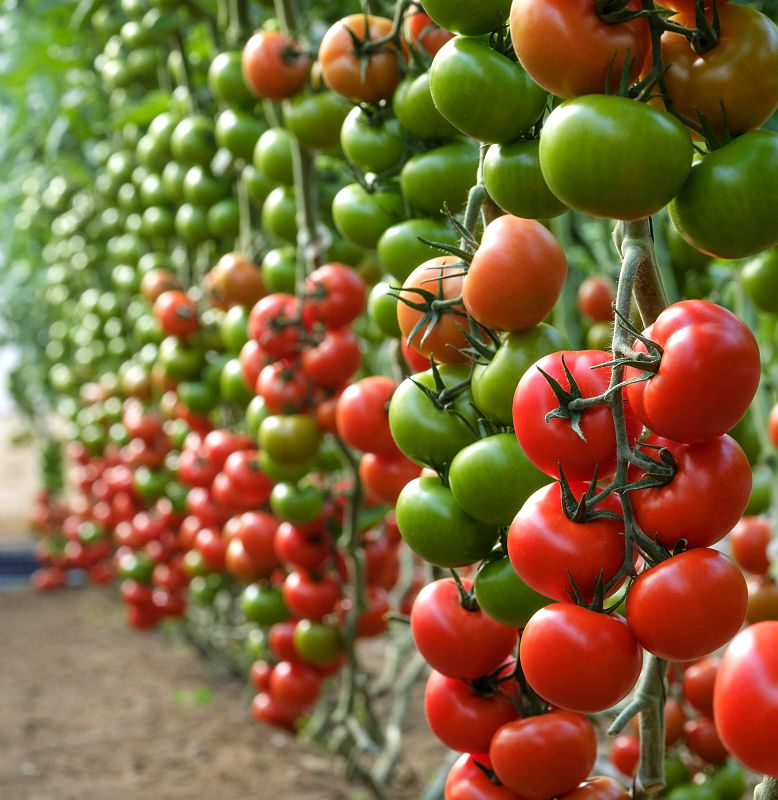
<point x="334" y="360"/>
<point x="297" y="503"/>
<point x="733" y="85"/>
<point x="176" y="314"/>
<point x="273" y="65"/>
<point x="256" y="531"/>
<point x="514" y="180"/>
<point x="443" y="628"/>
<point x="668" y="606"/>
<point x="614" y="157"/>
<point x="368" y="77"/>
<point x="598" y="788"/>
<point x="316" y="642"/>
<point x="729" y="781"/>
<point x="315" y="118"/>
<point x="746" y="681"/>
<point x="435" y="527"/>
<point x="362" y="216"/>
<point x="579" y="660"/>
<point x="382" y="309"/>
<point x="440" y="177"/>
<point x="552" y="443"/>
<point x="273" y="155"/>
<point x="748" y="541"/>
<point x="469" y="19"/>
<point x="279" y="214"/>
<point x="362" y="415"/>
<point x="704" y="742"/>
<point x="238" y="133"/>
<point x="701" y="342"/>
<point x="705" y="498"/>
<point x="401" y="250"/>
<point x="265" y="708"/>
<point x="492" y="478"/>
<point x="276" y="323"/>
<point x="291" y="439"/>
<point x="257" y="184"/>
<point x="302" y="548"/>
<point x="504" y="596"/>
<point x="279" y="270"/>
<point x="545" y="756"/>
<point x="625" y="754"/>
<point x="762" y="601"/>
<point x="516" y="275"/>
<point x="463" y="718"/>
<point x="426" y="432"/>
<point x="595" y="298"/>
<point x="335" y="295"/>
<point x="423" y="33"/>
<point x="225" y="81"/>
<point x="416" y="112"/>
<point x="310" y="598"/>
<point x="192" y="140"/>
<point x="441" y="337"/>
<point x="371" y="141"/>
<point x="263" y="604"/>
<point x="760" y="281"/>
<point x="234" y="328"/>
<point x="242" y="468"/>
<point x="772" y="426"/>
<point x="570" y="51"/>
<point x="698" y="683"/>
<point x="466" y="781"/>
<point x="385" y="477"/>
<point x="549" y="551"/>
<point x="745" y="172"/>
<point x="295" y="686"/>
<point x="483" y="93"/>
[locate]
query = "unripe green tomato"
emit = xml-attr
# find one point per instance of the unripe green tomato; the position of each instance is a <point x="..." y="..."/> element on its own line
<point x="362" y="217"/>
<point x="238" y="132"/>
<point x="136" y="566"/>
<point x="296" y="503"/>
<point x="256" y="645"/>
<point x="191" y="224"/>
<point x="599" y="336"/>
<point x="382" y="309"/>
<point x="157" y="222"/>
<point x="373" y="142"/>
<point x="225" y="81"/>
<point x="256" y="413"/>
<point x="279" y="270"/>
<point x="315" y="118"/>
<point x="416" y="112"/>
<point x="173" y="176"/>
<point x="204" y="189"/>
<point x="317" y="642"/>
<point x="263" y="605"/>
<point x="273" y="155"/>
<point x="760" y="281"/>
<point x="729" y="781"/>
<point x="234" y="328"/>
<point x="290" y="438"/>
<point x="232" y="386"/>
<point x="683" y="257"/>
<point x="747" y="436"/>
<point x="467" y="17"/>
<point x="278" y="471"/>
<point x="279" y="214"/>
<point x="400" y="250"/>
<point x="224" y="219"/>
<point x="180" y="361"/>
<point x="676" y="772"/>
<point x="198" y="397"/>
<point x="492" y="478"/>
<point x="514" y="180"/>
<point x="504" y="596"/>
<point x="257" y="184"/>
<point x="761" y="491"/>
<point x="192" y="141"/>
<point x="692" y="791"/>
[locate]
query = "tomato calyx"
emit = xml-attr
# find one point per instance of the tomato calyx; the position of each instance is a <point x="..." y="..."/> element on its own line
<point x="658" y="472"/>
<point x="648" y="362"/>
<point x="583" y="510"/>
<point x="566" y="397"/>
<point x="467" y="597"/>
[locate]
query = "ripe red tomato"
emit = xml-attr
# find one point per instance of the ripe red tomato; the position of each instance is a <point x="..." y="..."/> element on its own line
<point x="772" y="426"/>
<point x="703" y="740"/>
<point x="301" y="548"/>
<point x="310" y="598"/>
<point x="669" y="605"/>
<point x="545" y="756"/>
<point x="698" y="682"/>
<point x="176" y="313"/>
<point x="701" y="342"/>
<point x="461" y="716"/>
<point x="625" y="754"/>
<point x="570" y="51"/>
<point x="595" y="298"/>
<point x="334" y="360"/>
<point x="242" y="468"/>
<point x="444" y="631"/>
<point x="745" y="700"/>
<point x="362" y="416"/>
<point x="423" y="33"/>
<point x="548" y="550"/>
<point x="598" y="788"/>
<point x="578" y="659"/>
<point x="466" y="781"/>
<point x="276" y="322"/>
<point x="748" y="542"/>
<point x="516" y="275"/>
<point x="385" y="477"/>
<point x="548" y="443"/>
<point x="367" y="77"/>
<point x="705" y="498"/>
<point x="295" y="686"/>
<point x="285" y="388"/>
<point x="335" y="295"/>
<point x="274" y="66"/>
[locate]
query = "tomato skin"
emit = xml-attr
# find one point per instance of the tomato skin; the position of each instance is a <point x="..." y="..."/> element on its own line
<point x="483" y="93"/>
<point x="334" y="360"/>
<point x="762" y="601"/>
<point x="698" y="682"/>
<point x="442" y="627"/>
<point x="772" y="426"/>
<point x="267" y="70"/>
<point x="374" y="143"/>
<point x="736" y="80"/>
<point x="400" y="250"/>
<point x="704" y="742"/>
<point x="570" y="51"/>
<point x="705" y="498"/>
<point x="598" y="788"/>
<point x="614" y="157"/>
<point x="386" y="477"/>
<point x="748" y="542"/>
<point x="295" y="686"/>
<point x="579" y="660"/>
<point x="468" y="19"/>
<point x="342" y="69"/>
<point x="309" y="598"/>
<point x="289" y="439"/>
<point x="760" y="282"/>
<point x="335" y="294"/>
<point x="435" y="527"/>
<point x="176" y="314"/>
<point x="545" y="756"/>
<point x="553" y="442"/>
<point x="503" y="595"/>
<point x="625" y="754"/>
<point x="473" y="784"/>
<point x="315" y="118"/>
<point x="422" y="32"/>
<point x="362" y="415"/>
<point x="415" y="109"/>
<point x="701" y="342"/>
<point x="362" y="217"/>
<point x="668" y="606"/>
<point x="516" y="275"/>
<point x="275" y="322"/>
<point x="547" y="549"/>
<point x="595" y="298"/>
<point x="745" y="171"/>
<point x="461" y="718"/>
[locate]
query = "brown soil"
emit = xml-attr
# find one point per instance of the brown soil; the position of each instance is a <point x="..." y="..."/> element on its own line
<point x="91" y="710"/>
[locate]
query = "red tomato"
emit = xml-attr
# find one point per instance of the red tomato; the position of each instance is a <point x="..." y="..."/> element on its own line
<point x="669" y="605"/>
<point x="265" y="708"/>
<point x="516" y="275"/>
<point x="578" y="659"/>
<point x="698" y="682"/>
<point x="466" y="781"/>
<point x="705" y="498"/>
<point x="595" y="298"/>
<point x="335" y="295"/>
<point x="285" y="388"/>
<point x="385" y="477"/>
<point x="295" y="686"/>
<point x="242" y="468"/>
<point x="176" y="314"/>
<point x="461" y="716"/>
<point x="310" y="598"/>
<point x="362" y="416"/>
<point x="280" y="639"/>
<point x="598" y="788"/>
<point x="703" y="344"/>
<point x="745" y="699"/>
<point x="625" y="754"/>
<point x="301" y="548"/>
<point x="444" y="632"/>
<point x="422" y="32"/>
<point x="772" y="426"/>
<point x="703" y="740"/>
<point x="545" y="756"/>
<point x="548" y="550"/>
<point x="548" y="443"/>
<point x="252" y="359"/>
<point x="373" y="620"/>
<point x="570" y="51"/>
<point x="276" y="322"/>
<point x="259" y="675"/>
<point x="274" y="66"/>
<point x="748" y="542"/>
<point x="334" y="360"/>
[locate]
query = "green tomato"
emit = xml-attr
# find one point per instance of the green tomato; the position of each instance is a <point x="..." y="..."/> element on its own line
<point x="373" y="142"/>
<point x="234" y="328"/>
<point x="514" y="180"/>
<point x="279" y="214"/>
<point x="150" y="484"/>
<point x="191" y="224"/>
<point x="238" y="132"/>
<point x="435" y="526"/>
<point x="256" y="645"/>
<point x="282" y="472"/>
<point x="683" y="257"/>
<point x="224" y="219"/>
<point x="225" y="81"/>
<point x="194" y="564"/>
<point x="676" y="772"/>
<point x="181" y="362"/>
<point x="153" y="191"/>
<point x="727" y="206"/>
<point x="614" y="157"/>
<point x="198" y="397"/>
<point x="157" y="221"/>
<point x="263" y="605"/>
<point x="257" y="184"/>
<point x="760" y="281"/>
<point x="279" y="270"/>
<point x="599" y="336"/>
<point x="729" y="781"/>
<point x="136" y="566"/>
<point x="296" y="503"/>
<point x="315" y="118"/>
<point x="440" y="177"/>
<point x="382" y="309"/>
<point x="416" y="112"/>
<point x="494" y="384"/>
<point x="483" y="93"/>
<point x="761" y="491"/>
<point x="425" y="433"/>
<point x="193" y="141"/>
<point x="256" y="413"/>
<point x="362" y="217"/>
<point x="747" y="436"/>
<point x="504" y="596"/>
<point x="468" y="18"/>
<point x="232" y="386"/>
<point x="692" y="791"/>
<point x="400" y="249"/>
<point x="492" y="478"/>
<point x="317" y="642"/>
<point x="203" y="588"/>
<point x="290" y="438"/>
<point x="173" y="176"/>
<point x="202" y="188"/>
<point x="273" y="155"/>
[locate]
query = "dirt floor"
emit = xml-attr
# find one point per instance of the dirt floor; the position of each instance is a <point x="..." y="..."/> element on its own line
<point x="90" y="710"/>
